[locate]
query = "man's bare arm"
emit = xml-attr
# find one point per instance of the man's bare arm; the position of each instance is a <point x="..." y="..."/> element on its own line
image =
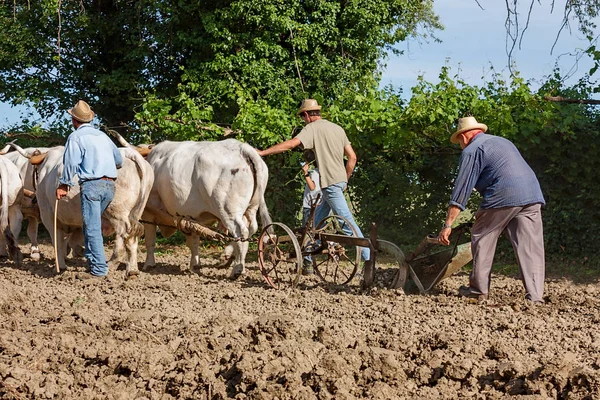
<point x="351" y="163"/>
<point x="280" y="147"/>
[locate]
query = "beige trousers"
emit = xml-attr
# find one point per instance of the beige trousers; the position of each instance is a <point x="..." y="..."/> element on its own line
<point x="523" y="226"/>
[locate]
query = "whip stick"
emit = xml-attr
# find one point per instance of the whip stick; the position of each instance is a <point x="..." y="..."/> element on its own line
<point x="55" y="238"/>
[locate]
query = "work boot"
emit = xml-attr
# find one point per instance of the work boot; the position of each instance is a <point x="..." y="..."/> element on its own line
<point x="84" y="276"/>
<point x="466" y="291"/>
<point x="307" y="267"/>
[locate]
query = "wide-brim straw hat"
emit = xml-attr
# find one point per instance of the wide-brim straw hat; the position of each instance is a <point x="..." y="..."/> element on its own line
<point x="82" y="112"/>
<point x="308" y="105"/>
<point x="466" y="124"/>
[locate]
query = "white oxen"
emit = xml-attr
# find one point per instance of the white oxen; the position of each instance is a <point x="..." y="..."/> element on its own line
<point x="29" y="208"/>
<point x="132" y="188"/>
<point x="208" y="182"/>
<point x="11" y="197"/>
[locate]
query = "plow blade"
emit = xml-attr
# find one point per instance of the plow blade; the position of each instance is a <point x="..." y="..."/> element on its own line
<point x="427" y="271"/>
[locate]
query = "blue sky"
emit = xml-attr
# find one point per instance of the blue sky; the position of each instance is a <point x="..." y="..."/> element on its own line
<point x="473" y="40"/>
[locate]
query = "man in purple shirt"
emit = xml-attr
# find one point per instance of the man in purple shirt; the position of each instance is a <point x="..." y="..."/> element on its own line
<point x="94" y="158"/>
<point x="512" y="201"/>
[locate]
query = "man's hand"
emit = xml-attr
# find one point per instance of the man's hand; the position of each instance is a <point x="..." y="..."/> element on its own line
<point x="444" y="236"/>
<point x="62" y="191"/>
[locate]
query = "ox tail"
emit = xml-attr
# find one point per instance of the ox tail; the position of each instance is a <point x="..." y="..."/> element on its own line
<point x="261" y="177"/>
<point x="146" y="176"/>
<point x="11" y="241"/>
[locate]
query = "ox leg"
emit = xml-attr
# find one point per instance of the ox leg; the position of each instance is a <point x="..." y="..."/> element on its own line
<point x="131" y="247"/>
<point x="15" y="221"/>
<point x="227" y="256"/>
<point x="193" y="242"/>
<point x="3" y="252"/>
<point x="32" y="232"/>
<point x="118" y="250"/>
<point x="61" y="239"/>
<point x="150" y="240"/>
<point x="239" y="229"/>
<point x="77" y="243"/>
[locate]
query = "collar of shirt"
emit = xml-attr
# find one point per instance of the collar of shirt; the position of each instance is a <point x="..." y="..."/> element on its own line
<point x="84" y="124"/>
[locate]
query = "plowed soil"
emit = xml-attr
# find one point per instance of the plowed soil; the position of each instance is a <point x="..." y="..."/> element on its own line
<point x="178" y="334"/>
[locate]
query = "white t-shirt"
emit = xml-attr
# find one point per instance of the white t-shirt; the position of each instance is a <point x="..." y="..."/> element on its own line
<point x="310" y="195"/>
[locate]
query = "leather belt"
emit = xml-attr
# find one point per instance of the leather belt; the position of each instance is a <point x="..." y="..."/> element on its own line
<point x="106" y="178"/>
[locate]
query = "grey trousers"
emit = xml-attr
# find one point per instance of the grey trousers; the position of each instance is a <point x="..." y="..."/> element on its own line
<point x="523" y="226"/>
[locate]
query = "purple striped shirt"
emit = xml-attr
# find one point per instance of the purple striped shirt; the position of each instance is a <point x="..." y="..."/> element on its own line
<point x="494" y="166"/>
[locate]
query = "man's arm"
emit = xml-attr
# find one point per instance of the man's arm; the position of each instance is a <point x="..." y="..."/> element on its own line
<point x="117" y="156"/>
<point x="351" y="163"/>
<point x="280" y="147"/>
<point x="451" y="216"/>
<point x="71" y="159"/>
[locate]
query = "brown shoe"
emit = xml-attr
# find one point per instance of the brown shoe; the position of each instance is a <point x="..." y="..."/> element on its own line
<point x="83" y="276"/>
<point x="465" y="291"/>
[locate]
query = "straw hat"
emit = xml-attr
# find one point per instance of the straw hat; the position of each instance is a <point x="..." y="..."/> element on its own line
<point x="466" y="124"/>
<point x="308" y="105"/>
<point x="82" y="112"/>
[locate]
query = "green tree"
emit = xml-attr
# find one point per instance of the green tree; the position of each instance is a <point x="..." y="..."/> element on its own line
<point x="196" y="62"/>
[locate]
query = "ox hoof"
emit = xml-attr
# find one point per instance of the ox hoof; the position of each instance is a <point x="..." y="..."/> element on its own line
<point x="146" y="267"/>
<point x="35" y="256"/>
<point x="17" y="258"/>
<point x="132" y="275"/>
<point x="236" y="272"/>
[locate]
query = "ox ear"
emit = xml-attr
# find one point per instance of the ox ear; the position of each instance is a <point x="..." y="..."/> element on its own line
<point x="38" y="158"/>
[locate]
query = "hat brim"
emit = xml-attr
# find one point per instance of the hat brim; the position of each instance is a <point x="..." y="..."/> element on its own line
<point x="317" y="108"/>
<point x="70" y="111"/>
<point x="454" y="137"/>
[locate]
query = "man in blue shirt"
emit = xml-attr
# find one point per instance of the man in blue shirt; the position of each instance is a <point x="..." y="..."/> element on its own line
<point x="512" y="201"/>
<point x="94" y="158"/>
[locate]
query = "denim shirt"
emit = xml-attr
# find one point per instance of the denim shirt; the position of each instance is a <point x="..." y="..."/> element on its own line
<point x="495" y="168"/>
<point x="89" y="154"/>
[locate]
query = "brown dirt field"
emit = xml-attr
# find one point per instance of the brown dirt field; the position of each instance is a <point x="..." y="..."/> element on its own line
<point x="174" y="334"/>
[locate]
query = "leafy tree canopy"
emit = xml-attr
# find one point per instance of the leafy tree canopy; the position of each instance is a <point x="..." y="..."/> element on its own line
<point x="179" y="62"/>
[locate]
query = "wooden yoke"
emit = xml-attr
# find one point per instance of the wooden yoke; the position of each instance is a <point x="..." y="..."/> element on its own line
<point x="185" y="225"/>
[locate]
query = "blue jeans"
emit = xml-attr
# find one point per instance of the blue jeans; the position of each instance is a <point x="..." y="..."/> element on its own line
<point x="334" y="201"/>
<point x="96" y="195"/>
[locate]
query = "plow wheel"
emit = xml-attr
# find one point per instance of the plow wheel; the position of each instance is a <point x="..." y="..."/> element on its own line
<point x="279" y="256"/>
<point x="337" y="263"/>
<point x="389" y="249"/>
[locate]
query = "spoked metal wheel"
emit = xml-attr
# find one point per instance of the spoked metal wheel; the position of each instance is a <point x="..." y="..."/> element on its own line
<point x="337" y="263"/>
<point x="279" y="256"/>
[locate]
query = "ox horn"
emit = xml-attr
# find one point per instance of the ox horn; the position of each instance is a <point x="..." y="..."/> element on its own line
<point x="20" y="150"/>
<point x="144" y="151"/>
<point x="35" y="158"/>
<point x="6" y="148"/>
